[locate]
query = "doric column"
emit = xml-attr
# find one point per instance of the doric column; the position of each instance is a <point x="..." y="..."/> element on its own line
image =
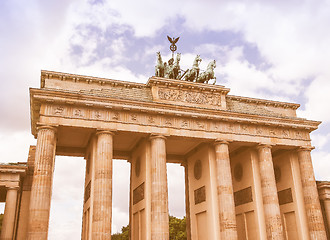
<point x="8" y="222"/>
<point x="274" y="228"/>
<point x="41" y="190"/>
<point x="311" y="197"/>
<point x="159" y="196"/>
<point x="102" y="198"/>
<point x="228" y="229"/>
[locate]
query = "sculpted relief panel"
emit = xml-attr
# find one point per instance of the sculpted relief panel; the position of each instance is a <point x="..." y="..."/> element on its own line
<point x="126" y="116"/>
<point x="189" y="96"/>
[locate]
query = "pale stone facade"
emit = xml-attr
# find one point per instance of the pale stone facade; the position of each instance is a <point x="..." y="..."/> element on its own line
<point x="247" y="161"/>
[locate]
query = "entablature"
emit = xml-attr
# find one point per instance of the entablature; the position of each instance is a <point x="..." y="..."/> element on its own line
<point x="67" y="108"/>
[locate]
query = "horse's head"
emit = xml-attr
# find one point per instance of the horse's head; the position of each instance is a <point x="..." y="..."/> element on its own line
<point x="197" y="61"/>
<point x="212" y="64"/>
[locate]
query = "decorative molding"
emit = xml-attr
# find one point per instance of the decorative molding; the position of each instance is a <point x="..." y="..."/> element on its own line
<point x="42" y="96"/>
<point x="238" y="172"/>
<point x="243" y="196"/>
<point x="285" y="196"/>
<point x="200" y="195"/>
<point x="138" y="194"/>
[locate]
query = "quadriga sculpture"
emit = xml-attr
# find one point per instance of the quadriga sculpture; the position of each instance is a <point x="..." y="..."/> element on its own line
<point x="171" y="70"/>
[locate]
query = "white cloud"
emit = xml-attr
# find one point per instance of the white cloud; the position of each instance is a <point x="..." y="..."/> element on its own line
<point x="321" y="165"/>
<point x="318" y="97"/>
<point x="14" y="146"/>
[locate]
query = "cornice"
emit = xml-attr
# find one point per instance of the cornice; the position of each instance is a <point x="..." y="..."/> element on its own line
<point x="12" y="168"/>
<point x="265" y="102"/>
<point x="87" y="79"/>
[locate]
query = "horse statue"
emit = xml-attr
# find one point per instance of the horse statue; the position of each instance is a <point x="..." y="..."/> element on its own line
<point x="192" y="74"/>
<point x="204" y="77"/>
<point x="159" y="69"/>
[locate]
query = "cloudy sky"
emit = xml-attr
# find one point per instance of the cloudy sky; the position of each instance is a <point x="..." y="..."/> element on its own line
<point x="277" y="50"/>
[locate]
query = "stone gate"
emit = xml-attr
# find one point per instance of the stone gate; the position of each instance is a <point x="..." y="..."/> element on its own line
<point x="248" y="168"/>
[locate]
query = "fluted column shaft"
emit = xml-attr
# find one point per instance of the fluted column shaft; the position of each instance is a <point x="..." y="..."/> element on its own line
<point x="188" y="222"/>
<point x="102" y="198"/>
<point x="8" y="222"/>
<point x="228" y="228"/>
<point x="311" y="197"/>
<point x="274" y="228"/>
<point x="159" y="193"/>
<point x="41" y="190"/>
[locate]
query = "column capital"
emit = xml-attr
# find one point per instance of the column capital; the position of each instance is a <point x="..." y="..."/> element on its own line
<point x="154" y="136"/>
<point x="13" y="188"/>
<point x="221" y="141"/>
<point x="305" y="148"/>
<point x="104" y="131"/>
<point x="264" y="145"/>
<point x="50" y="127"/>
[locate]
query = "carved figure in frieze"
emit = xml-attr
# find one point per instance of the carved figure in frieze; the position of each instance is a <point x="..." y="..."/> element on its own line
<point x="204" y="77"/>
<point x="59" y="110"/>
<point x="159" y="69"/>
<point x="192" y="74"/>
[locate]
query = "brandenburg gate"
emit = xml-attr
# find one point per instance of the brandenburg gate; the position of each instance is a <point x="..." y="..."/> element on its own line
<point x="248" y="168"/>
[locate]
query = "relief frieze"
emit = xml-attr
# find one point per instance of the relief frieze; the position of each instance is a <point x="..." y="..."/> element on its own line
<point x="176" y="122"/>
<point x="200" y="124"/>
<point x="243" y="196"/>
<point x="200" y="195"/>
<point x="80" y="113"/>
<point x="189" y="96"/>
<point x="115" y="116"/>
<point x="138" y="194"/>
<point x="285" y="196"/>
<point x="59" y="110"/>
<point x="184" y="123"/>
<point x="151" y="119"/>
